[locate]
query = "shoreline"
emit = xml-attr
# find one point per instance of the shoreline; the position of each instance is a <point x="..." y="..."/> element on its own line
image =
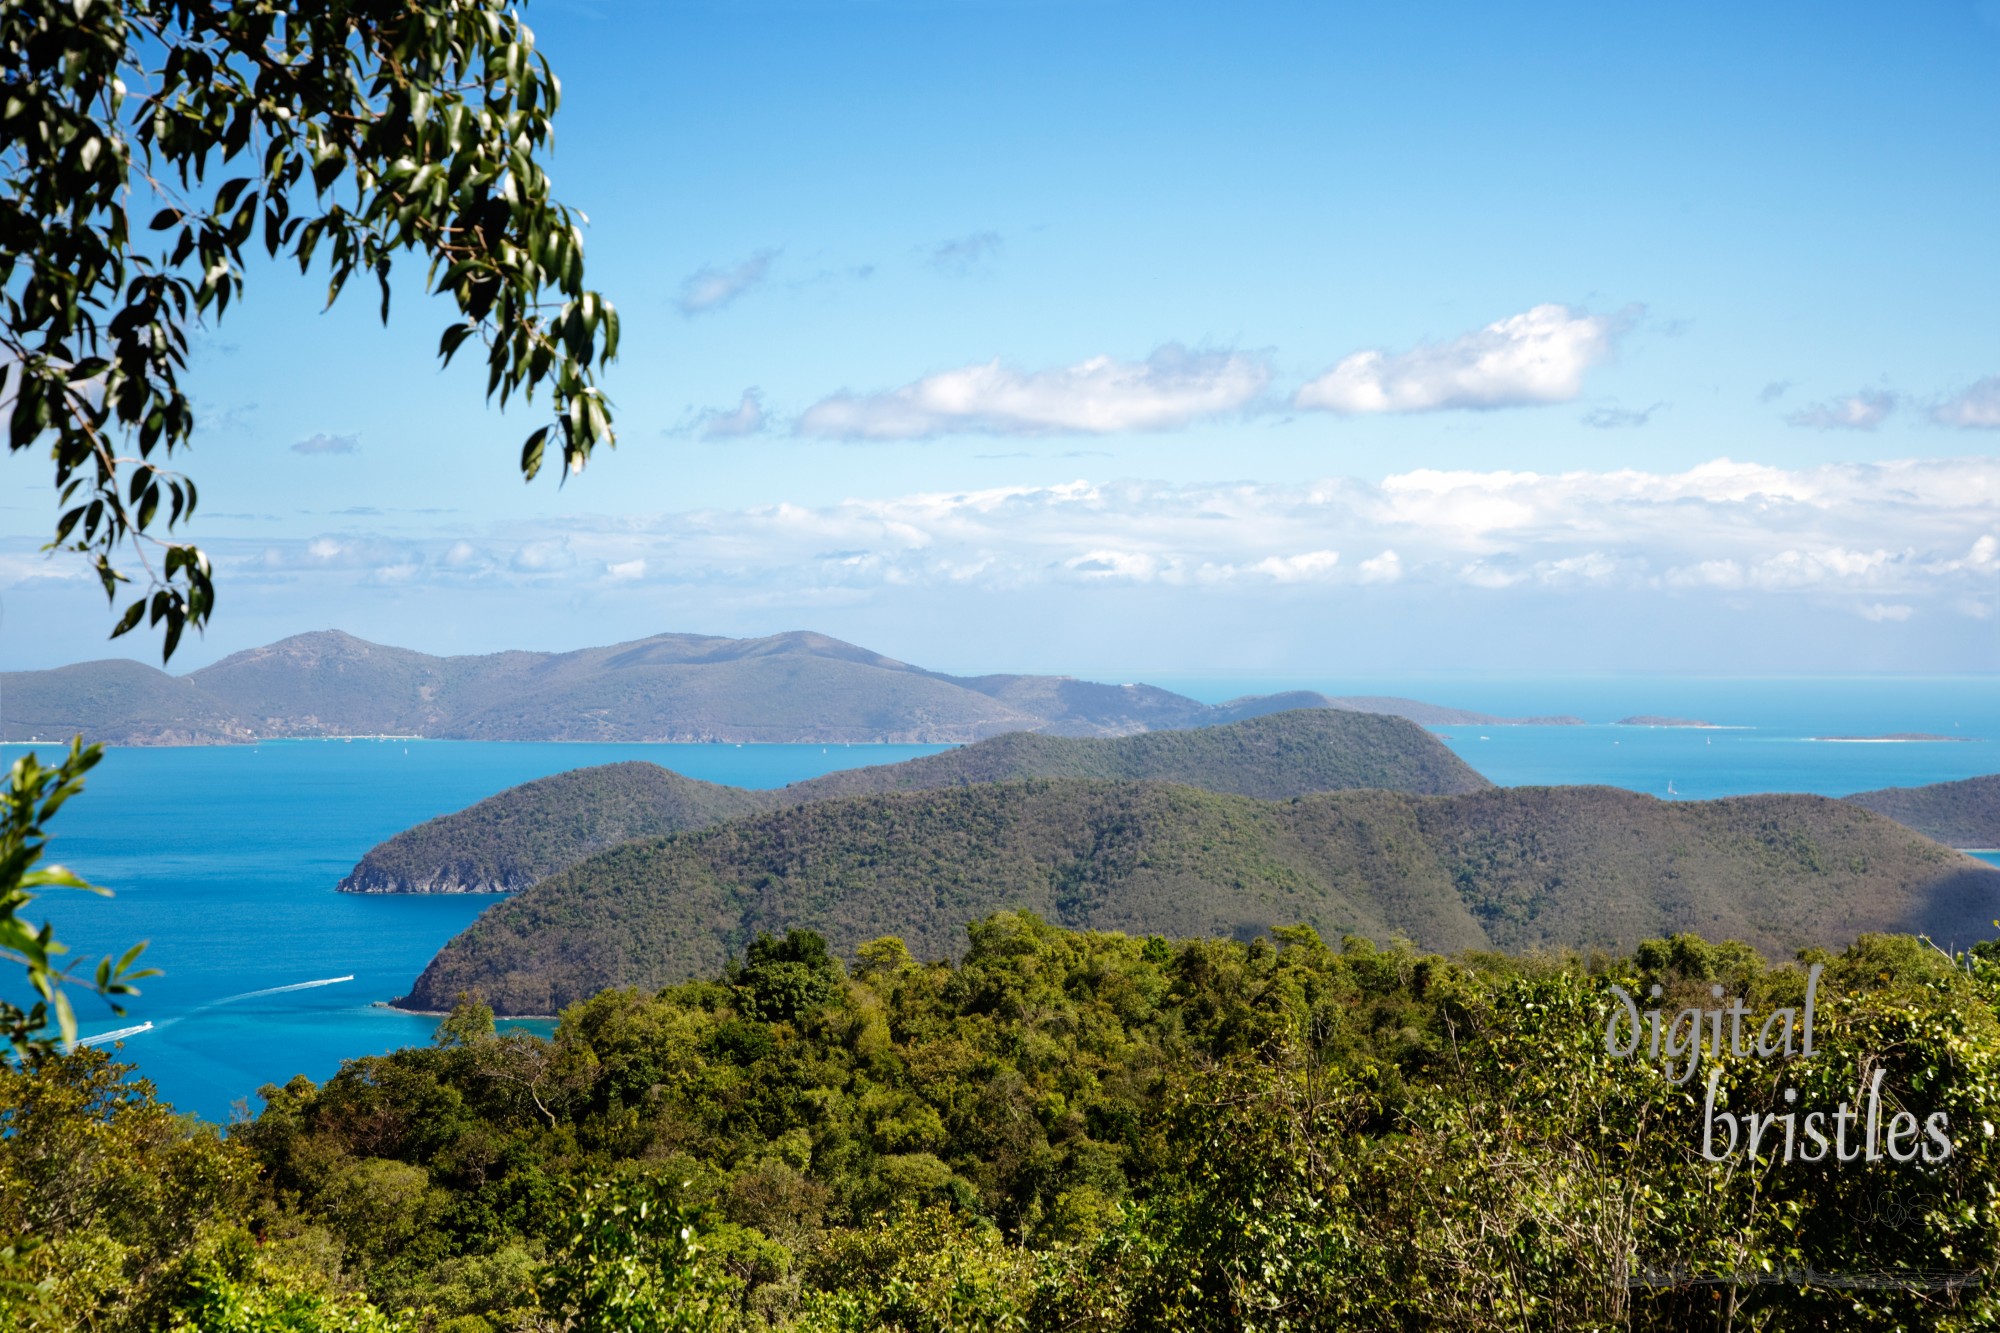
<point x="393" y="1007"/>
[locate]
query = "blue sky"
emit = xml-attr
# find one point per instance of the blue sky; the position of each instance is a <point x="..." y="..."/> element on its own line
<point x="1123" y="339"/>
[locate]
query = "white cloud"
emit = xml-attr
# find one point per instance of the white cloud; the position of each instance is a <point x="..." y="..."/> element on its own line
<point x="1137" y="566"/>
<point x="1538" y="356"/>
<point x="1860" y="411"/>
<point x="1921" y="534"/>
<point x="1384" y="568"/>
<point x="1978" y="408"/>
<point x="27" y="567"/>
<point x="544" y="557"/>
<point x="1855" y="534"/>
<point x="746" y="419"/>
<point x="710" y="288"/>
<point x="1481" y="574"/>
<point x="1881" y="611"/>
<point x="1983" y="557"/>
<point x="1298" y="568"/>
<point x="1591" y="567"/>
<point x="1723" y="573"/>
<point x="1170" y="388"/>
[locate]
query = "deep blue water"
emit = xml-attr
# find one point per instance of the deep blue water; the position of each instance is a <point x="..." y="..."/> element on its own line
<point x="226" y="857"/>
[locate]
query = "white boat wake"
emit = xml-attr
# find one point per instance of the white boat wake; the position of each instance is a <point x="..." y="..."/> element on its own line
<point x="277" y="990"/>
<point x="118" y="1035"/>
<point x="122" y="1033"/>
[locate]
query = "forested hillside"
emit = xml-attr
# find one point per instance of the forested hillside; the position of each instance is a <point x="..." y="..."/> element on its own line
<point x="1061" y="1132"/>
<point x="1957" y="814"/>
<point x="512" y="839"/>
<point x="509" y="841"/>
<point x="1519" y="868"/>
<point x="1271" y="756"/>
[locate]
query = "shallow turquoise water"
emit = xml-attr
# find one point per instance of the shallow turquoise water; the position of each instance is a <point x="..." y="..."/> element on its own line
<point x="226" y="857"/>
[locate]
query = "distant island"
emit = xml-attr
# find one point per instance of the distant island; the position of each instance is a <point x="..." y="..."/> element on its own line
<point x="1650" y="720"/>
<point x="508" y="841"/>
<point x="1895" y="736"/>
<point x="1511" y="869"/>
<point x="797" y="687"/>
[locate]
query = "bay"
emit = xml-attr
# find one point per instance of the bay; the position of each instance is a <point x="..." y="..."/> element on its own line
<point x="225" y="857"/>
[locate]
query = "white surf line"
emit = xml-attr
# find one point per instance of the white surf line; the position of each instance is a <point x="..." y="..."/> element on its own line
<point x="119" y="1035"/>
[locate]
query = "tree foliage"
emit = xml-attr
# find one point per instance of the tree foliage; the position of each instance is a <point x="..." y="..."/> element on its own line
<point x="343" y="131"/>
<point x="33" y="794"/>
<point x="1063" y="1131"/>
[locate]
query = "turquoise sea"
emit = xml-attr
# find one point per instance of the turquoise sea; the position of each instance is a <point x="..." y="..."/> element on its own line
<point x="225" y="857"/>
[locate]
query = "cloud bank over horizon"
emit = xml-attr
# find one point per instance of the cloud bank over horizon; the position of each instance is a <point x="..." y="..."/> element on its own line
<point x="1907" y="549"/>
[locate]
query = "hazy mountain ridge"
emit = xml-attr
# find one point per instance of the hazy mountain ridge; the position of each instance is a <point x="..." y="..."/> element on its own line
<point x="791" y="687"/>
<point x="1512" y="869"/>
<point x="518" y="836"/>
<point x="1965" y="813"/>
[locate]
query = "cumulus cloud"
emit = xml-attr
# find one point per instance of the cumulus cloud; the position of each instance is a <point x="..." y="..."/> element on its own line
<point x="964" y="253"/>
<point x="710" y="288"/>
<point x="1538" y="356"/>
<point x="747" y="418"/>
<point x="1860" y="411"/>
<point x="1978" y="408"/>
<point x="1384" y="568"/>
<point x="1773" y="391"/>
<point x="1170" y="388"/>
<point x="328" y="444"/>
<point x="543" y="557"/>
<point x="1881" y="611"/>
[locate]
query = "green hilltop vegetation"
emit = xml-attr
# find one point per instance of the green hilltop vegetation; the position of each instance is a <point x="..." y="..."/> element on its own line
<point x="793" y="687"/>
<point x="1514" y="869"/>
<point x="510" y="840"/>
<point x="1061" y="1132"/>
<point x="518" y="836"/>
<point x="1958" y="814"/>
<point x="1273" y="756"/>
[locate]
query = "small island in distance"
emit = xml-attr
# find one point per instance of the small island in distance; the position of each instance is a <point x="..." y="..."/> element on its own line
<point x="1650" y="720"/>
